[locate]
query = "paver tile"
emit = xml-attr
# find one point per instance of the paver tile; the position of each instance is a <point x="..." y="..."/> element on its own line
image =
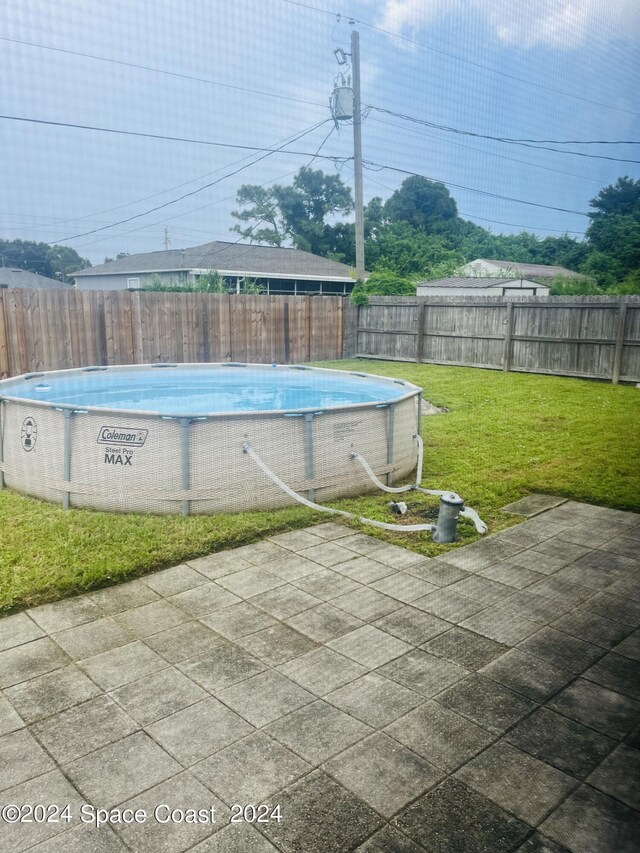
<point x="83" y="728"/>
<point x="533" y="504"/>
<point x="609" y="712"/>
<point x="124" y="596"/>
<point x="163" y="834"/>
<point x="324" y="623"/>
<point x="404" y="587"/>
<point x="64" y="614"/>
<point x="23" y="662"/>
<point x="517" y="782"/>
<point x="360" y="543"/>
<point x="424" y="673"/>
<point x="18" y="629"/>
<point x="561" y="650"/>
<point x="383" y="773"/>
<point x="511" y="575"/>
<point x="276" y="644"/>
<point x="369" y="646"/>
<point x="121" y="770"/>
<point x="483" y="590"/>
<point x="158" y="695"/>
<point x="459" y="819"/>
<point x="412" y="625"/>
<point x="150" y="618"/>
<point x="283" y="602"/>
<point x="487" y="703"/>
<point x="501" y="624"/>
<point x="615" y="607"/>
<point x="464" y="647"/>
<point x="629" y="647"/>
<point x="318" y="731"/>
<point x="51" y="693"/>
<point x="327" y="584"/>
<point x="526" y="674"/>
<point x="535" y="608"/>
<point x="321" y="816"/>
<point x="440" y="735"/>
<point x="198" y="731"/>
<point x="560" y="590"/>
<point x="291" y="567"/>
<point x="389" y="840"/>
<point x="561" y="742"/>
<point x="21" y="758"/>
<point x="200" y="600"/>
<point x="238" y="620"/>
<point x="436" y="572"/>
<point x="618" y="776"/>
<point x="366" y="604"/>
<point x="374" y="699"/>
<point x="449" y="605"/>
<point x="297" y="540"/>
<point x="81" y="839"/>
<point x="174" y="580"/>
<point x="10" y="720"/>
<point x="221" y="668"/>
<point x="188" y="640"/>
<point x="330" y="530"/>
<point x="119" y="666"/>
<point x="251" y="770"/>
<point x="328" y="553"/>
<point x="364" y="570"/>
<point x="92" y="638"/>
<point x="590" y="822"/>
<point x="618" y="673"/>
<point x="322" y="670"/>
<point x="397" y="558"/>
<point x="236" y="838"/>
<point x="250" y="582"/>
<point x="51" y="787"/>
<point x="592" y="628"/>
<point x="259" y="552"/>
<point x="265" y="697"/>
<point x="215" y="566"/>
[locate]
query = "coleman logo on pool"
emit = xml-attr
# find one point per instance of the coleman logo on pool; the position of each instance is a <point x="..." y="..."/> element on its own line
<point x="29" y="434"/>
<point x="122" y="435"/>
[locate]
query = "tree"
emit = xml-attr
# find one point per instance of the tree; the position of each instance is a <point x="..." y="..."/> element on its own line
<point x="422" y="203"/>
<point x="294" y="214"/>
<point x="65" y="261"/>
<point x="382" y="283"/>
<point x="51" y="261"/>
<point x="117" y="257"/>
<point x="614" y="233"/>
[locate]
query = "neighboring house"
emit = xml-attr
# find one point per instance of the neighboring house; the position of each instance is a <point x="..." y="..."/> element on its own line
<point x="10" y="277"/>
<point x="277" y="270"/>
<point x="485" y="286"/>
<point x="514" y="269"/>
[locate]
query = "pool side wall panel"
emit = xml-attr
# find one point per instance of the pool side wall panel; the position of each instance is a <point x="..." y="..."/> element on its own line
<point x="128" y="462"/>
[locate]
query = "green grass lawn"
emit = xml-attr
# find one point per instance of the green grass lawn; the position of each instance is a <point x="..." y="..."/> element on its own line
<point x="506" y="434"/>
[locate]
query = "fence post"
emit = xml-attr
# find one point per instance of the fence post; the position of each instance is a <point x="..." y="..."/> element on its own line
<point x="422" y="311"/>
<point x="508" y="332"/>
<point x="617" y="354"/>
<point x="5" y="372"/>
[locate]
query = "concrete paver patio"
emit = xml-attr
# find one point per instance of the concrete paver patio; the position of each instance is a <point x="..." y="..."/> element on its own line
<point x="485" y="700"/>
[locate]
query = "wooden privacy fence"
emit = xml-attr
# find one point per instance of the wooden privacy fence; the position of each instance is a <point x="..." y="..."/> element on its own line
<point x="56" y="329"/>
<point x="591" y="336"/>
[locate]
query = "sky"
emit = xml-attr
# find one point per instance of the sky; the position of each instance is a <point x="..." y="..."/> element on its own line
<point x="259" y="72"/>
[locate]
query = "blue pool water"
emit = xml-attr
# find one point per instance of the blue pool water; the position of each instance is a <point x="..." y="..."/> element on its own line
<point x="181" y="390"/>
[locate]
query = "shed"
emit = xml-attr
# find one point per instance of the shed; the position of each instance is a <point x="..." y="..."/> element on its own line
<point x="486" y="286"/>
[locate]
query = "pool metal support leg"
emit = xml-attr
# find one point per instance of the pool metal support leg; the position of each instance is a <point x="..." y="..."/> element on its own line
<point x="390" y="420"/>
<point x="185" y="454"/>
<point x="308" y="447"/>
<point x="66" y="475"/>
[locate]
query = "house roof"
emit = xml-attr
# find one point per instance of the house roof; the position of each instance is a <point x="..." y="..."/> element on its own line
<point x="531" y="270"/>
<point x="228" y="258"/>
<point x="11" y="277"/>
<point x="478" y="282"/>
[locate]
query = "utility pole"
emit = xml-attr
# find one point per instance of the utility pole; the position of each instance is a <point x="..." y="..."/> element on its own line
<point x="166" y="238"/>
<point x="357" y="154"/>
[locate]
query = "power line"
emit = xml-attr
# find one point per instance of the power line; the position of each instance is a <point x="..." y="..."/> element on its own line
<point x="379" y="167"/>
<point x="490" y="153"/>
<point x="168" y="138"/>
<point x="289" y="138"/>
<point x="495" y="221"/>
<point x="200" y="189"/>
<point x="506" y="139"/>
<point x="375" y="28"/>
<point x="160" y="71"/>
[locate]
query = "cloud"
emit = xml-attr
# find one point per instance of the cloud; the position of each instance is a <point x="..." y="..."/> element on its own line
<point x="563" y="24"/>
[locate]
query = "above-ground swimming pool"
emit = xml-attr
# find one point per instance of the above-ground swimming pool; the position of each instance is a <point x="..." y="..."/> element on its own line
<point x="172" y="438"/>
